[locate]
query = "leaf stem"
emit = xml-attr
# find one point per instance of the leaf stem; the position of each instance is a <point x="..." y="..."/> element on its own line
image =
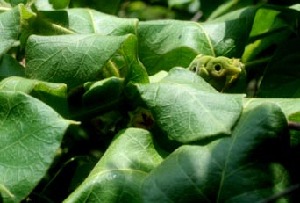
<point x="4" y="9"/>
<point x="278" y="195"/>
<point x="294" y="125"/>
<point x="259" y="61"/>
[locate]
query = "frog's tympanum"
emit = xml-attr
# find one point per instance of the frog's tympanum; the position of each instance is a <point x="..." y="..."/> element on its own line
<point x="221" y="72"/>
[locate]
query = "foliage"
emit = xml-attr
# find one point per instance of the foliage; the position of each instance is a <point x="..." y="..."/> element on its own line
<point x="97" y="103"/>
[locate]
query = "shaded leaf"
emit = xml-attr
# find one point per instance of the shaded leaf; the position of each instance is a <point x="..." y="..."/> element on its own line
<point x="269" y="30"/>
<point x="189" y="112"/>
<point x="16" y="2"/>
<point x="230" y="8"/>
<point x="281" y="78"/>
<point x="42" y="23"/>
<point x="53" y="94"/>
<point x="188" y="5"/>
<point x="120" y="172"/>
<point x="233" y="169"/>
<point x="103" y="92"/>
<point x="10" y="67"/>
<point x="30" y="133"/>
<point x="99" y="5"/>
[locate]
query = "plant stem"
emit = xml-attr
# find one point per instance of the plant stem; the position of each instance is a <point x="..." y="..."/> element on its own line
<point x="281" y="194"/>
<point x="294" y="125"/>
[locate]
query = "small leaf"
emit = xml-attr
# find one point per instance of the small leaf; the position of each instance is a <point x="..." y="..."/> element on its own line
<point x="120" y="172"/>
<point x="237" y="168"/>
<point x="30" y="134"/>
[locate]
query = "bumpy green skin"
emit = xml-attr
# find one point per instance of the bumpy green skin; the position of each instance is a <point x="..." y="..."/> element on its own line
<point x="224" y="74"/>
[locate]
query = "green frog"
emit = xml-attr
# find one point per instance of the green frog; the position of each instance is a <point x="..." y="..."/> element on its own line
<point x="224" y="74"/>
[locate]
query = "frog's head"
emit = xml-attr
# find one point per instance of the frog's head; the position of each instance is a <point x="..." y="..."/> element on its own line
<point x="220" y="71"/>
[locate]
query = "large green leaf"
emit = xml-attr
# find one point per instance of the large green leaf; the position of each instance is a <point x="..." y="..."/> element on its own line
<point x="232" y="169"/>
<point x="190" y="111"/>
<point x="53" y="94"/>
<point x="90" y="21"/>
<point x="78" y="58"/>
<point x="281" y="78"/>
<point x="119" y="174"/>
<point x="9" y="29"/>
<point x="30" y="134"/>
<point x="269" y="30"/>
<point x="165" y="44"/>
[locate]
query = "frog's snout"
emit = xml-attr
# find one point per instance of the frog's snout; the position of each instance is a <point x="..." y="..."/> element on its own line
<point x="233" y="71"/>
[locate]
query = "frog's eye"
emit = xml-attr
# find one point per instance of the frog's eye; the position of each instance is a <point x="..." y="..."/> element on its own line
<point x="217" y="70"/>
<point x="193" y="68"/>
<point x="217" y="67"/>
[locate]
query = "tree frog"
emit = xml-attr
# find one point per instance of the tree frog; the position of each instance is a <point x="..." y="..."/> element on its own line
<point x="221" y="72"/>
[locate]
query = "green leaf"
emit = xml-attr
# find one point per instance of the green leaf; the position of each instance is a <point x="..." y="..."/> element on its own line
<point x="99" y="5"/>
<point x="190" y="112"/>
<point x="189" y="5"/>
<point x="269" y="30"/>
<point x="53" y="94"/>
<point x="59" y="4"/>
<point x="231" y="8"/>
<point x="281" y="78"/>
<point x="158" y="76"/>
<point x="16" y="2"/>
<point x="9" y="30"/>
<point x="77" y="58"/>
<point x="42" y="23"/>
<point x="103" y="92"/>
<point x="165" y="44"/>
<point x="182" y="76"/>
<point x="10" y="67"/>
<point x="119" y="174"/>
<point x="290" y="106"/>
<point x="90" y="21"/>
<point x="231" y="169"/>
<point x="30" y="134"/>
